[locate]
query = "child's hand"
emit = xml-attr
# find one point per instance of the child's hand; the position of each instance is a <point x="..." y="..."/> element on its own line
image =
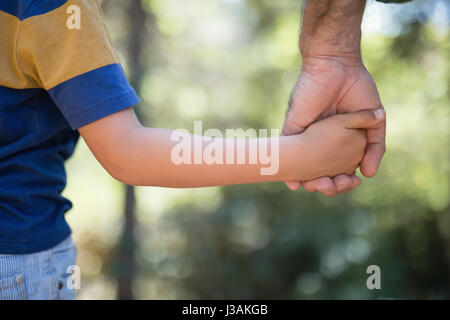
<point x="336" y="144"/>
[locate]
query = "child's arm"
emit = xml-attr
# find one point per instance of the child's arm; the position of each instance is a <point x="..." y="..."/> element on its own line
<point x="142" y="156"/>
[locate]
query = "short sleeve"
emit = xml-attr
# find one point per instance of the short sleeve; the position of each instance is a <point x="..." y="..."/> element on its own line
<point x="68" y="52"/>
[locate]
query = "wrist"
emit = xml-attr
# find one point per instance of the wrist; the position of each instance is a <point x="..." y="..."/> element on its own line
<point x="332" y="28"/>
<point x="316" y="52"/>
<point x="292" y="159"/>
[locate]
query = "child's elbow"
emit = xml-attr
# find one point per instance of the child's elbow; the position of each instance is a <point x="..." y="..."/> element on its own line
<point x="126" y="175"/>
<point x="122" y="177"/>
<point x="121" y="171"/>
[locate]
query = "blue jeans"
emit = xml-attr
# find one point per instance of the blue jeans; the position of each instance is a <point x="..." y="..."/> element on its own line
<point x="38" y="276"/>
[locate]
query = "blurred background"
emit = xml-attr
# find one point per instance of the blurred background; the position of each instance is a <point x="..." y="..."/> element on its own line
<point x="232" y="64"/>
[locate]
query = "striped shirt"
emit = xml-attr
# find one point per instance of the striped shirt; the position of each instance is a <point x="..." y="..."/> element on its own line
<point x="58" y="72"/>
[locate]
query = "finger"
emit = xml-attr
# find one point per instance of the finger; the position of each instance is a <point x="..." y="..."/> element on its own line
<point x="309" y="99"/>
<point x="312" y="95"/>
<point x="342" y="182"/>
<point x="291" y="126"/>
<point x="323" y="185"/>
<point x="293" y="185"/>
<point x="356" y="181"/>
<point x="372" y="159"/>
<point x="363" y="119"/>
<point x="376" y="147"/>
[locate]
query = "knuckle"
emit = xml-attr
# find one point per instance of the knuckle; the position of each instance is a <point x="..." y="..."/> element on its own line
<point x="323" y="189"/>
<point x="371" y="115"/>
<point x="308" y="187"/>
<point x="366" y="118"/>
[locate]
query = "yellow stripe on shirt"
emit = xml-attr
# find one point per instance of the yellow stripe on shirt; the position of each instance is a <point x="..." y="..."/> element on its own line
<point x="11" y="75"/>
<point x="64" y="53"/>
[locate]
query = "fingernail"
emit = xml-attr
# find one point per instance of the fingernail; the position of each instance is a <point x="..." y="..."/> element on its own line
<point x="379" y="114"/>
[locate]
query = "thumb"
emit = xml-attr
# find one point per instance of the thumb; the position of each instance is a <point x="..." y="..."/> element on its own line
<point x="290" y="128"/>
<point x="363" y="119"/>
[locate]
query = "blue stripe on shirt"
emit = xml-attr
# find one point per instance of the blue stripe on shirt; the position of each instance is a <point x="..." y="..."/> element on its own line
<point x="94" y="95"/>
<point x="24" y="9"/>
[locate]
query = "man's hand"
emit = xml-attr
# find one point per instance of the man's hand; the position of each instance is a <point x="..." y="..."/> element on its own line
<point x="336" y="144"/>
<point x="328" y="86"/>
<point x="334" y="80"/>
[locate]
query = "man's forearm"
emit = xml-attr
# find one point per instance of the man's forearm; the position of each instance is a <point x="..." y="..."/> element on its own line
<point x="332" y="28"/>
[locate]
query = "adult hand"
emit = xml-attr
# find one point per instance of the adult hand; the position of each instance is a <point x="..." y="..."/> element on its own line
<point x="334" y="80"/>
<point x="330" y="85"/>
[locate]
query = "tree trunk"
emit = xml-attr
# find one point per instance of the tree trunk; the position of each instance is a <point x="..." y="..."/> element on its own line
<point x="127" y="246"/>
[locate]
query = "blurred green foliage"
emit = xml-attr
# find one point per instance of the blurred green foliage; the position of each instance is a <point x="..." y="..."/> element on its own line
<point x="232" y="64"/>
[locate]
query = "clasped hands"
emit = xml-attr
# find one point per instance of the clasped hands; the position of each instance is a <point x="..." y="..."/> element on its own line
<point x="326" y="87"/>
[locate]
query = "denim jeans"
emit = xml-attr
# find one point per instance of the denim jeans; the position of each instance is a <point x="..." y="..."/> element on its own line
<point x="38" y="276"/>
